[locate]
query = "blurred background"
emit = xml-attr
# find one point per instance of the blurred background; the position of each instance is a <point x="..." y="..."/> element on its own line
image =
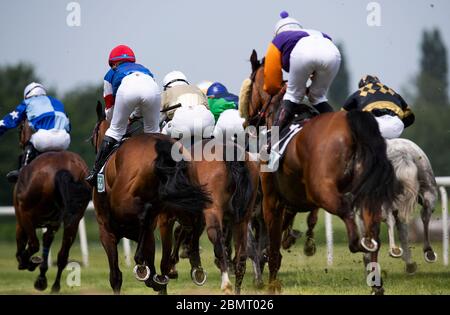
<point x="65" y="46"/>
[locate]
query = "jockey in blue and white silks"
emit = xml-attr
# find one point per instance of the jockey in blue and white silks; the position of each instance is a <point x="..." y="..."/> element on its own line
<point x="47" y="119"/>
<point x="129" y="88"/>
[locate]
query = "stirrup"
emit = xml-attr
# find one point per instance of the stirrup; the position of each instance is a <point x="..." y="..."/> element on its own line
<point x="91" y="178"/>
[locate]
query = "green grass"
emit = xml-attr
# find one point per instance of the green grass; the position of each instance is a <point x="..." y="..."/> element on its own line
<point x="299" y="274"/>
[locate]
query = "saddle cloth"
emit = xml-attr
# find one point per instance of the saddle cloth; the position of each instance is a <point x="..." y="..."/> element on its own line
<point x="101" y="173"/>
<point x="279" y="148"/>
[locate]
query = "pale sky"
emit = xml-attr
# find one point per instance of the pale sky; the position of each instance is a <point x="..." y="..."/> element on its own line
<point x="209" y="39"/>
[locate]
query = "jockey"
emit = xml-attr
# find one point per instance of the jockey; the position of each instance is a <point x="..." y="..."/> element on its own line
<point x="304" y="54"/>
<point x="219" y="99"/>
<point x="185" y="108"/>
<point x="389" y="108"/>
<point x="127" y="86"/>
<point x="47" y="119"/>
<point x="176" y="85"/>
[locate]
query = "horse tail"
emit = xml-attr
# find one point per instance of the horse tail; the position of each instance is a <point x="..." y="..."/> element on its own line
<point x="176" y="190"/>
<point x="240" y="185"/>
<point x="72" y="195"/>
<point x="406" y="172"/>
<point x="375" y="182"/>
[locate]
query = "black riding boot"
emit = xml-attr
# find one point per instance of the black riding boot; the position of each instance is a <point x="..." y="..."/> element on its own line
<point x="102" y="155"/>
<point x="285" y="114"/>
<point x="324" y="107"/>
<point x="27" y="156"/>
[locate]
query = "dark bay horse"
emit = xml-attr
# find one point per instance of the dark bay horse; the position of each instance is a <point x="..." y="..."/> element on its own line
<point x="337" y="162"/>
<point x="233" y="185"/>
<point x="50" y="190"/>
<point x="142" y="180"/>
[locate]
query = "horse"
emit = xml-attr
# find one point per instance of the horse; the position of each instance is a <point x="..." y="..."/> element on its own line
<point x="413" y="169"/>
<point x="50" y="191"/>
<point x="233" y="185"/>
<point x="337" y="162"/>
<point x="142" y="180"/>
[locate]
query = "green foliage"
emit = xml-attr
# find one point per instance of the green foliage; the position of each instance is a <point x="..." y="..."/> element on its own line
<point x="340" y="90"/>
<point x="432" y="81"/>
<point x="13" y="79"/>
<point x="431" y="130"/>
<point x="80" y="106"/>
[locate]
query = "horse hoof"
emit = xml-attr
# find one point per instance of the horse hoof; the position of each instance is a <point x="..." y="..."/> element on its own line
<point x="34" y="263"/>
<point x="56" y="288"/>
<point x="411" y="268"/>
<point x="198" y="276"/>
<point x="396" y="252"/>
<point x="173" y="274"/>
<point x="141" y="272"/>
<point x="161" y="280"/>
<point x="258" y="284"/>
<point x="369" y="244"/>
<point x="227" y="289"/>
<point x="430" y="256"/>
<point x="377" y="291"/>
<point x="275" y="287"/>
<point x="40" y="284"/>
<point x="310" y="247"/>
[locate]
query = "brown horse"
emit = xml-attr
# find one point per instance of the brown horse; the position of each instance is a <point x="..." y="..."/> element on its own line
<point x="233" y="185"/>
<point x="50" y="190"/>
<point x="337" y="162"/>
<point x="142" y="180"/>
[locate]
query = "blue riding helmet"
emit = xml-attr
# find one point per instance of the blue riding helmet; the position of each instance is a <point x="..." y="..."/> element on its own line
<point x="216" y="90"/>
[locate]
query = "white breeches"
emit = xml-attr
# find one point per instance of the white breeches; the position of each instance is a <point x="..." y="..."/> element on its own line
<point x="189" y="121"/>
<point x="137" y="90"/>
<point x="229" y="124"/>
<point x="50" y="140"/>
<point x="390" y="126"/>
<point x="317" y="56"/>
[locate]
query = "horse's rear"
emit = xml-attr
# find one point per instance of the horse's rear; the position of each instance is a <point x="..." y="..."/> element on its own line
<point x="50" y="190"/>
<point x="338" y="162"/>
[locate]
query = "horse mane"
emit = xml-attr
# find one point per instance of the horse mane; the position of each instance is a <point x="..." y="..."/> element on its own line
<point x="245" y="95"/>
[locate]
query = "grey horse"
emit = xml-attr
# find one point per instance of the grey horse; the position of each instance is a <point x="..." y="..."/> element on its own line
<point x="413" y="169"/>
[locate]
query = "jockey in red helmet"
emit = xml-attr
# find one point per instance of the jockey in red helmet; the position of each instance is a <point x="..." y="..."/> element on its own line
<point x="128" y="87"/>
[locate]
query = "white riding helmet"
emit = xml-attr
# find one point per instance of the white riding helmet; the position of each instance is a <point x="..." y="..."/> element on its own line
<point x="174" y="78"/>
<point x="34" y="89"/>
<point x="287" y="24"/>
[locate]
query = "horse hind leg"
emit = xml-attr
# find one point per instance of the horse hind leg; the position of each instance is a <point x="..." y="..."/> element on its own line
<point x="394" y="250"/>
<point x="215" y="235"/>
<point x="21" y="242"/>
<point x="402" y="227"/>
<point x="240" y="232"/>
<point x="32" y="248"/>
<point x="310" y="244"/>
<point x="109" y="241"/>
<point x="69" y="235"/>
<point x="41" y="281"/>
<point x="428" y="203"/>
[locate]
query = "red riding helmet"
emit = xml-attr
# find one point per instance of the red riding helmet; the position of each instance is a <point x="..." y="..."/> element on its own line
<point x="121" y="53"/>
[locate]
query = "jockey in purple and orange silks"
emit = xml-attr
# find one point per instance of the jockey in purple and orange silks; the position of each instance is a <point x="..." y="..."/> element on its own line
<point x="128" y="88"/>
<point x="305" y="54"/>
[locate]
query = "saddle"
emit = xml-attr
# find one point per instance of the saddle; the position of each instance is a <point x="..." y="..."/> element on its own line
<point x="299" y="118"/>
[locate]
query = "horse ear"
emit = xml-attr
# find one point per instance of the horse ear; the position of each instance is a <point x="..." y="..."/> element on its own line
<point x="100" y="112"/>
<point x="254" y="61"/>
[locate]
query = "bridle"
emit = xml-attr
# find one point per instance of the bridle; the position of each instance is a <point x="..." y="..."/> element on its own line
<point x="261" y="116"/>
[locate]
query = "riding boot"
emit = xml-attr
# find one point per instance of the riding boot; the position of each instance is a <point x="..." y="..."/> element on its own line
<point x="102" y="155"/>
<point x="285" y="114"/>
<point x="324" y="107"/>
<point x="26" y="157"/>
